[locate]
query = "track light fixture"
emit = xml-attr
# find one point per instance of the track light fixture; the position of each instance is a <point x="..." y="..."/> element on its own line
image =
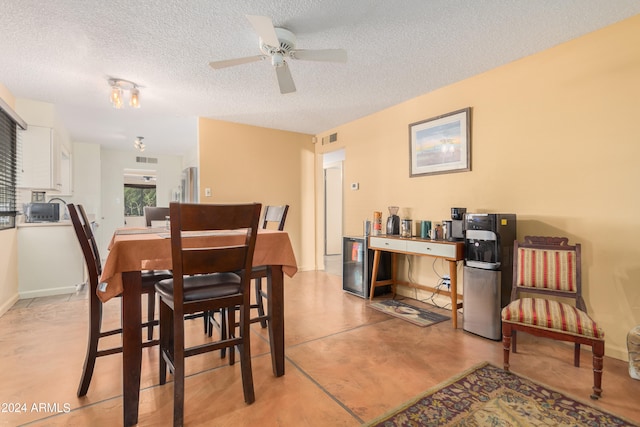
<point x="139" y="144"/>
<point x="118" y="86"/>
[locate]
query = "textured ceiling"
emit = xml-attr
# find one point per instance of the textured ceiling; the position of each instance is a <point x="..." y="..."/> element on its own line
<point x="63" y="51"/>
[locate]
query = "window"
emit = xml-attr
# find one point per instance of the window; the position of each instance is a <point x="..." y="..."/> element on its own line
<point x="8" y="160"/>
<point x="136" y="197"/>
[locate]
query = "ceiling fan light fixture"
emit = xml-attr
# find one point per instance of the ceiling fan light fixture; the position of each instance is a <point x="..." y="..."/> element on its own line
<point x="277" y="60"/>
<point x="279" y="44"/>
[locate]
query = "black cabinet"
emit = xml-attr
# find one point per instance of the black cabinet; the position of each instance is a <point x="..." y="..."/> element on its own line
<point x="357" y="266"/>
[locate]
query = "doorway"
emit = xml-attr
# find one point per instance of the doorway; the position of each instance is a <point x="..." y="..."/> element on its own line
<point x="332" y="164"/>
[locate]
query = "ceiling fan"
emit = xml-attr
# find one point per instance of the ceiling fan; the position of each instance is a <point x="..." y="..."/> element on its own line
<point x="279" y="45"/>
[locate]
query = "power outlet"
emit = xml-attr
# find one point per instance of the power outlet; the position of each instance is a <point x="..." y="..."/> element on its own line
<point x="446" y="280"/>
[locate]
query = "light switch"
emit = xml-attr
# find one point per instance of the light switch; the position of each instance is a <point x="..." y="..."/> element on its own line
<point x="355" y="185"/>
<point x="207" y="192"/>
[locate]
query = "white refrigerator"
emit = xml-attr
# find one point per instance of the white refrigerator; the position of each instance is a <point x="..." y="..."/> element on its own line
<point x="189" y="190"/>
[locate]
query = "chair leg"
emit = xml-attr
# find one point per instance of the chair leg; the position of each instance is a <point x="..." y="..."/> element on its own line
<point x="598" y="355"/>
<point x="506" y="344"/>
<point x="245" y="357"/>
<point x="151" y="313"/>
<point x="95" y="323"/>
<point x="207" y="324"/>
<point x="165" y="338"/>
<point x="229" y="330"/>
<point x="576" y="355"/>
<point x="178" y="374"/>
<point x="259" y="301"/>
<point x="513" y="341"/>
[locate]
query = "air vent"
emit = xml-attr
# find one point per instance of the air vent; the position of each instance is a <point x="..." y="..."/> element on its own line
<point x="146" y="159"/>
<point x="330" y="139"/>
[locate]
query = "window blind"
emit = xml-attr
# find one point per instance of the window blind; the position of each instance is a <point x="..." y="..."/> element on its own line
<point x="9" y="122"/>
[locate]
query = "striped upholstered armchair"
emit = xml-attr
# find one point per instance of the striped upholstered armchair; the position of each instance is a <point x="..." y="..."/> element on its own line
<point x="548" y="267"/>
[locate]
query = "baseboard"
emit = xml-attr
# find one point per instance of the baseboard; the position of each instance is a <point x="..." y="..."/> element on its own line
<point x="48" y="292"/>
<point x="8" y="304"/>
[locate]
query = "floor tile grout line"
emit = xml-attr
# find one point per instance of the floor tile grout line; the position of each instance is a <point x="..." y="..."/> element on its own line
<point x="325" y="391"/>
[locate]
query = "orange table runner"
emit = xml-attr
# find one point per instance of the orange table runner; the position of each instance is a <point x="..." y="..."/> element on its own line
<point x="152" y="251"/>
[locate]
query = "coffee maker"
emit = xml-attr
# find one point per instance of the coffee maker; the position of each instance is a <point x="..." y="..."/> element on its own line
<point x="393" y="222"/>
<point x="455" y="226"/>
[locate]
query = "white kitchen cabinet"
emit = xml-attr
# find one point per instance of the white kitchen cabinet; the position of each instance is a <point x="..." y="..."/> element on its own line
<point x="66" y="172"/>
<point x="40" y="165"/>
<point x="50" y="261"/>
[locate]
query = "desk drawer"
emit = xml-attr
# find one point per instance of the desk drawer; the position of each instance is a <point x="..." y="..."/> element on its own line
<point x="433" y="249"/>
<point x="388" y="244"/>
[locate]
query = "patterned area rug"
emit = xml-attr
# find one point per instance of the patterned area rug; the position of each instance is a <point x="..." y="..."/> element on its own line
<point x="417" y="316"/>
<point x="488" y="396"/>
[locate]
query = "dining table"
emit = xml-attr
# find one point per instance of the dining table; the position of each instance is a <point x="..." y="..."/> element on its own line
<point x="132" y="250"/>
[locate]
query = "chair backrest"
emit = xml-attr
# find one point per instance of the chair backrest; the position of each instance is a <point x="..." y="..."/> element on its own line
<point x="87" y="243"/>
<point x="276" y="215"/>
<point x="548" y="265"/>
<point x="202" y="218"/>
<point x="155" y="214"/>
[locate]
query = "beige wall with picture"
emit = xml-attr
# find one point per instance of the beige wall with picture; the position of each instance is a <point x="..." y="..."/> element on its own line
<point x="555" y="140"/>
<point x="242" y="163"/>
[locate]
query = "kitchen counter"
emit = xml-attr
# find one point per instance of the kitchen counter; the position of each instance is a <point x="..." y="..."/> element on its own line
<point x="50" y="261"/>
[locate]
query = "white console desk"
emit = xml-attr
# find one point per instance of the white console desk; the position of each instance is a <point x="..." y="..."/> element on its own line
<point x="450" y="251"/>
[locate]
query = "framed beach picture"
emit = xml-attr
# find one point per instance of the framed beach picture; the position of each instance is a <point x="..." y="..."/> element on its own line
<point x="440" y="144"/>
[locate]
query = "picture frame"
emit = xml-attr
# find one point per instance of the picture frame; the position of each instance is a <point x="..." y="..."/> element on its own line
<point x="440" y="144"/>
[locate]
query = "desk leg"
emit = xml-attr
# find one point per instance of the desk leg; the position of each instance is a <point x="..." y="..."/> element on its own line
<point x="394" y="274"/>
<point x="374" y="273"/>
<point x="453" y="274"/>
<point x="275" y="309"/>
<point x="131" y="345"/>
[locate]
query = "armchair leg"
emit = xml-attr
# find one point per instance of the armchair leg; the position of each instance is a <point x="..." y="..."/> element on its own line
<point x="598" y="355"/>
<point x="576" y="355"/>
<point x="506" y="344"/>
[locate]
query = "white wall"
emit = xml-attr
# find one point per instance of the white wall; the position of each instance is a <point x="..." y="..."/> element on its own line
<point x="87" y="178"/>
<point x="113" y="163"/>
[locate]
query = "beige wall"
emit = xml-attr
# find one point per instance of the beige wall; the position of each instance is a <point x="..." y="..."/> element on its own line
<point x="554" y="139"/>
<point x="278" y="168"/>
<point x="8" y="246"/>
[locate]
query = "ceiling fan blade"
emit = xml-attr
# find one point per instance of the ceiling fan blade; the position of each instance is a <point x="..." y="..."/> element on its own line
<point x="285" y="80"/>
<point x="216" y="65"/>
<point x="329" y="55"/>
<point x="264" y="27"/>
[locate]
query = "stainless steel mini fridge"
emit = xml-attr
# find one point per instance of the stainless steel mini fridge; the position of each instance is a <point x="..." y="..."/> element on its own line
<point x="482" y="302"/>
<point x="357" y="266"/>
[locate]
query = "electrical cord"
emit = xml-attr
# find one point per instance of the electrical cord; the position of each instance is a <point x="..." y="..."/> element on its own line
<point x="439" y="286"/>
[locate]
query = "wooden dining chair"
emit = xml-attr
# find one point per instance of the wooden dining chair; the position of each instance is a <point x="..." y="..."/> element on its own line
<point x="550" y="268"/>
<point x="207" y="279"/>
<point x="274" y="216"/>
<point x="152" y="213"/>
<point x="84" y="233"/>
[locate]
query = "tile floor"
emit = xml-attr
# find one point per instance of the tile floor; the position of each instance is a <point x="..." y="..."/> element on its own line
<point x="345" y="364"/>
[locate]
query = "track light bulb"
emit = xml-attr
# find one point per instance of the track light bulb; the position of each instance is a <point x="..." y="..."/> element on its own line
<point x="134" y="101"/>
<point x="116" y="96"/>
